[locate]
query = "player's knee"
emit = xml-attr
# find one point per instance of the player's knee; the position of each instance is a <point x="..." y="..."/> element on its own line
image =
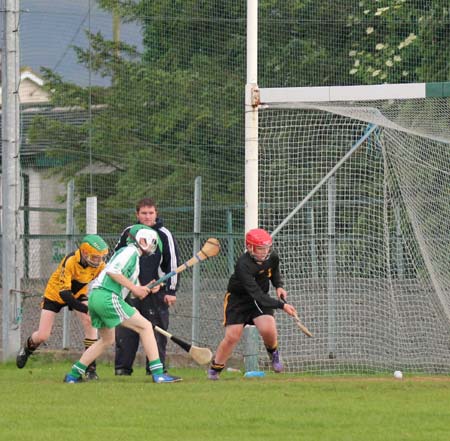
<point x="146" y="327"/>
<point x="232" y="338"/>
<point x="85" y="320"/>
<point x="107" y="341"/>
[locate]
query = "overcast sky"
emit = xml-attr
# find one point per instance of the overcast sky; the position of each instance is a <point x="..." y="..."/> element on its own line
<point x="49" y="27"/>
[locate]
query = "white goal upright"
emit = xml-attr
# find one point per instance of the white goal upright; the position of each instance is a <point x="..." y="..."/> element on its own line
<point x="354" y="185"/>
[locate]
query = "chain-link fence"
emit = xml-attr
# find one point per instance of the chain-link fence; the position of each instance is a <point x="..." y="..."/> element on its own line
<point x="42" y="254"/>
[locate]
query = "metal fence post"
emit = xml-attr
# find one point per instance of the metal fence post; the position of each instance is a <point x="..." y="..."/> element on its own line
<point x="196" y="269"/>
<point x="251" y="348"/>
<point x="230" y="254"/>
<point x="11" y="182"/>
<point x="70" y="229"/>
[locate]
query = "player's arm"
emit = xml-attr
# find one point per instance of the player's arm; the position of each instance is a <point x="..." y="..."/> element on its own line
<point x="137" y="290"/>
<point x="278" y="284"/>
<point x="72" y="302"/>
<point x="171" y="257"/>
<point x="124" y="262"/>
<point x="276" y="280"/>
<point x="66" y="277"/>
<point x="246" y="274"/>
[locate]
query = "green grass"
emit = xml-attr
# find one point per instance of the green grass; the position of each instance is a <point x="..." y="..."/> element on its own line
<point x="36" y="405"/>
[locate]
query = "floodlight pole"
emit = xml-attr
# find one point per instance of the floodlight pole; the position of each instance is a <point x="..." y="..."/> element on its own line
<point x="11" y="184"/>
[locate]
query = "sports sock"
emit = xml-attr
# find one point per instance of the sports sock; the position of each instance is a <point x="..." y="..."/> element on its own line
<point x="78" y="369"/>
<point x="156" y="367"/>
<point x="272" y="349"/>
<point x="217" y="366"/>
<point x="88" y="342"/>
<point x="31" y="346"/>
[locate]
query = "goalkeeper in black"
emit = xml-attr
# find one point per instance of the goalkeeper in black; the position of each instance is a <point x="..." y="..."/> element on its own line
<point x="248" y="302"/>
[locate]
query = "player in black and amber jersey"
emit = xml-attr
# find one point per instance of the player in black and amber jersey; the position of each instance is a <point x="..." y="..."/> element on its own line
<point x="68" y="286"/>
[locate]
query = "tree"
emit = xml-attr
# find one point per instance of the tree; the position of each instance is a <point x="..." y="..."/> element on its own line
<point x="154" y="129"/>
<point x="398" y="41"/>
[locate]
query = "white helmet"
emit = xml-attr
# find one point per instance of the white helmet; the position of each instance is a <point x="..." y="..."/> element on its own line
<point x="145" y="238"/>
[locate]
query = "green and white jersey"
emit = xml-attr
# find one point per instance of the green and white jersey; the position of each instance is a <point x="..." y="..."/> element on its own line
<point x="124" y="261"/>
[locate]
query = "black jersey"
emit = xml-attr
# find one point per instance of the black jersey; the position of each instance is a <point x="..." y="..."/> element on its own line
<point x="251" y="280"/>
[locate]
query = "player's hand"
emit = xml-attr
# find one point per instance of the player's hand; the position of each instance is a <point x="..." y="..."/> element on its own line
<point x="141" y="292"/>
<point x="289" y="309"/>
<point x="170" y="299"/>
<point x="156" y="288"/>
<point x="82" y="307"/>
<point x="281" y="294"/>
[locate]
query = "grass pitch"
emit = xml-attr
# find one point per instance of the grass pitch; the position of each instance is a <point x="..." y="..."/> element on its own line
<point x="36" y="405"/>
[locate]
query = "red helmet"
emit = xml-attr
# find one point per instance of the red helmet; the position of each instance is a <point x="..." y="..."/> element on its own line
<point x="261" y="239"/>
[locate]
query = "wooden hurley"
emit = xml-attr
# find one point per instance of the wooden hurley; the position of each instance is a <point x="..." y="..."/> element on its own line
<point x="210" y="248"/>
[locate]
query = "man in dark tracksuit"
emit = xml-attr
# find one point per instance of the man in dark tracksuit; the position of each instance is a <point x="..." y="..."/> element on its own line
<point x="154" y="307"/>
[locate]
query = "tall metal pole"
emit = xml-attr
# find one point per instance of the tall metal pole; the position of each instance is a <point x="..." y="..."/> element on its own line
<point x="116" y="32"/>
<point x="332" y="270"/>
<point x="230" y="254"/>
<point x="70" y="246"/>
<point x="251" y="150"/>
<point x="251" y="118"/>
<point x="11" y="185"/>
<point x="196" y="269"/>
<point x="91" y="215"/>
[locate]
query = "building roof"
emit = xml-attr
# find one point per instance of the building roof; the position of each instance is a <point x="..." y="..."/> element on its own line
<point x="31" y="88"/>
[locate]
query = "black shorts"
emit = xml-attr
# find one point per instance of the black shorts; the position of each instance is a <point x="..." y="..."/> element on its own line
<point x="51" y="305"/>
<point x="237" y="312"/>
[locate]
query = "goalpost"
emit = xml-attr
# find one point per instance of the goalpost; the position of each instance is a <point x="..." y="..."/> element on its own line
<point x="354" y="184"/>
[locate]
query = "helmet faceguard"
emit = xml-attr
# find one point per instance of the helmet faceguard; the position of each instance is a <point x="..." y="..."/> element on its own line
<point x="144" y="237"/>
<point x="259" y="244"/>
<point x="93" y="250"/>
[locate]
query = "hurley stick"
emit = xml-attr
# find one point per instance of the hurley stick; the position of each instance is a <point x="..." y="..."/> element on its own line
<point x="299" y="324"/>
<point x="200" y="355"/>
<point x="210" y="249"/>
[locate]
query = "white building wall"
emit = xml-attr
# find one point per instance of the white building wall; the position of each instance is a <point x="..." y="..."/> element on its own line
<point x="44" y="253"/>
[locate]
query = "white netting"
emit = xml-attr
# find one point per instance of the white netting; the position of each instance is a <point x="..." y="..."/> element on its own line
<point x="366" y="258"/>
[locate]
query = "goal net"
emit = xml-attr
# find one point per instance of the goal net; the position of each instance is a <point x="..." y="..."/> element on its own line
<point x="357" y="194"/>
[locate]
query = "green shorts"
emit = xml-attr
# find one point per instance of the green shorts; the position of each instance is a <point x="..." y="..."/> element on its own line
<point x="107" y="309"/>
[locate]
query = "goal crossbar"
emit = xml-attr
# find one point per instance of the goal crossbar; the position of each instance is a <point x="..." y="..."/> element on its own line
<point x="354" y="93"/>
